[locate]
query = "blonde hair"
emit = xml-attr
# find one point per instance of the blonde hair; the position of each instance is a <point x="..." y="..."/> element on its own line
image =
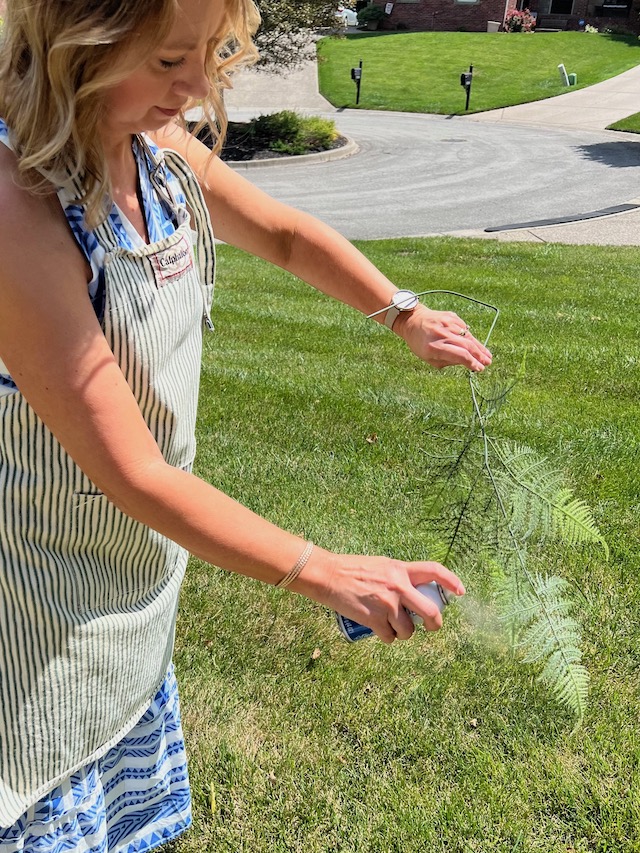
<point x="59" y="57"/>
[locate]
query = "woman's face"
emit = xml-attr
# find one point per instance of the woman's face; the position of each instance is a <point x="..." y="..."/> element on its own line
<point x="154" y="94"/>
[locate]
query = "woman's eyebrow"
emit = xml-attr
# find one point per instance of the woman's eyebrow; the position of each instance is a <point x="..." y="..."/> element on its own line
<point x="180" y="45"/>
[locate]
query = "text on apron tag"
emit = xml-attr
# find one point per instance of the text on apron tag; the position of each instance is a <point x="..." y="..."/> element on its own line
<point x="173" y="262"/>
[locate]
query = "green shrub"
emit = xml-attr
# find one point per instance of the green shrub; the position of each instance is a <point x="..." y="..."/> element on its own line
<point x="287" y="132"/>
<point x="318" y="133"/>
<point x="275" y="127"/>
<point x="370" y="13"/>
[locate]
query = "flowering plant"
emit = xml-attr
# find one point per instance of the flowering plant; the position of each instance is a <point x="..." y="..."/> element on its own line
<point x="519" y="21"/>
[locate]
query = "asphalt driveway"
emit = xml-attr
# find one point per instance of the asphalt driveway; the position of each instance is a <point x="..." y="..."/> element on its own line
<point x="417" y="174"/>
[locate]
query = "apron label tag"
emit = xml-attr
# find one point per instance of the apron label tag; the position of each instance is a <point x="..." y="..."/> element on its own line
<point x="172" y="263"/>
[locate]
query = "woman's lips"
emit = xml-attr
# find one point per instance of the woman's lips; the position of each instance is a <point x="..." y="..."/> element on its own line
<point x="168" y="113"/>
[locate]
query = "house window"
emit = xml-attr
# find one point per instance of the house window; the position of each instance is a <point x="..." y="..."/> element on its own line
<point x="612" y="10"/>
<point x="561" y="7"/>
<point x="556" y="7"/>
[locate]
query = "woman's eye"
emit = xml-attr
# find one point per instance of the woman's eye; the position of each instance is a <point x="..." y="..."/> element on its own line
<point x="168" y="63"/>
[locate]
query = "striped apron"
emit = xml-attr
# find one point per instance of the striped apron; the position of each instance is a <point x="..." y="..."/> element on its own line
<point x="88" y="596"/>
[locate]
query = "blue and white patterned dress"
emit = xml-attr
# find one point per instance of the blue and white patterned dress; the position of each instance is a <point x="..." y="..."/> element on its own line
<point x="135" y="797"/>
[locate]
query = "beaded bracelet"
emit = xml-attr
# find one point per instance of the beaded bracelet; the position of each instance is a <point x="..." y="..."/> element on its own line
<point x="301" y="562"/>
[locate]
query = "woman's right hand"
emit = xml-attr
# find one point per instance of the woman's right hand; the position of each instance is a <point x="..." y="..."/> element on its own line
<point x="376" y="591"/>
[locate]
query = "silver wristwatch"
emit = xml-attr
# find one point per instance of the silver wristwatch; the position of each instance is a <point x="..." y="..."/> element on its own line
<point x="402" y="301"/>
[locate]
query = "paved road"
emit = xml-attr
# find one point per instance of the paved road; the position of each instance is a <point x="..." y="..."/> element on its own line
<point x="417" y="175"/>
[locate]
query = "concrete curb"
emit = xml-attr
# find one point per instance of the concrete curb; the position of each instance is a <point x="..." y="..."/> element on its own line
<point x="616" y="228"/>
<point x="346" y="150"/>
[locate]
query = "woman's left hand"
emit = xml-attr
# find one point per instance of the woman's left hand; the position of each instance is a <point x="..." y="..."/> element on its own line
<point x="441" y="339"/>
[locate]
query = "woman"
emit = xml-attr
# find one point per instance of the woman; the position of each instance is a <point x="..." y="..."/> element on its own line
<point x="105" y="286"/>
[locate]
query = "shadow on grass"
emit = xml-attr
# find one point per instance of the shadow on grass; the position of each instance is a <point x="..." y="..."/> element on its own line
<point x="371" y="34"/>
<point x="629" y="38"/>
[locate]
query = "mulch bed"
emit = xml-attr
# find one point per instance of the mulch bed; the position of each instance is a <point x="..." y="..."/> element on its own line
<point x="239" y="147"/>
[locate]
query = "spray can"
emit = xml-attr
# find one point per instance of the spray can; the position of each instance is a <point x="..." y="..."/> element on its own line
<point x="354" y="631"/>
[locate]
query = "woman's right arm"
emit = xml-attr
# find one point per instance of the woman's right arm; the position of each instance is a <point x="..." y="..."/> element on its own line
<point x="55" y="350"/>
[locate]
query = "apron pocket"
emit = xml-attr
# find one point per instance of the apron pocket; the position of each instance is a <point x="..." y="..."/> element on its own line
<point x="115" y="562"/>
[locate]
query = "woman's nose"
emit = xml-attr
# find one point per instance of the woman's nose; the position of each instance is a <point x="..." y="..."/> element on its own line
<point x="193" y="82"/>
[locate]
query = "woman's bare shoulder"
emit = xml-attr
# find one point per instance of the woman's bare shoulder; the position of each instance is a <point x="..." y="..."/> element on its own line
<point x="27" y="218"/>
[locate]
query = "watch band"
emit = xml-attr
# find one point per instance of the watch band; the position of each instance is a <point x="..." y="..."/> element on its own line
<point x="402" y="302"/>
<point x="391" y="316"/>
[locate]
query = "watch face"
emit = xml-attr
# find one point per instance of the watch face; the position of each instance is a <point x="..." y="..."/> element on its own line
<point x="405" y="300"/>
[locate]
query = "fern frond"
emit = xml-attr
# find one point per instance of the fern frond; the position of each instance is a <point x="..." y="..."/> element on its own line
<point x="552" y="636"/>
<point x="464" y="520"/>
<point x="539" y="502"/>
<point x="490" y="391"/>
<point x="517" y="602"/>
<point x="492" y="498"/>
<point x="517" y="605"/>
<point x="568" y="679"/>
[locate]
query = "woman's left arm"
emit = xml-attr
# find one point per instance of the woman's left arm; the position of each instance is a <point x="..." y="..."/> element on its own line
<point x="244" y="216"/>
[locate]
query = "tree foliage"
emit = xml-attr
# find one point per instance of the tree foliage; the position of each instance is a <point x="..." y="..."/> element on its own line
<point x="285" y="37"/>
<point x="290" y="15"/>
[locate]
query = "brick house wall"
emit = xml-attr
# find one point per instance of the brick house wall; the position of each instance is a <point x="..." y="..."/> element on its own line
<point x="473" y="15"/>
<point x="450" y="15"/>
<point x="618" y="15"/>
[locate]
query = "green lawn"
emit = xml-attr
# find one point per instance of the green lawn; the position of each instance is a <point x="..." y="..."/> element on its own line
<point x="631" y="124"/>
<point x="318" y="418"/>
<point x="420" y="72"/>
